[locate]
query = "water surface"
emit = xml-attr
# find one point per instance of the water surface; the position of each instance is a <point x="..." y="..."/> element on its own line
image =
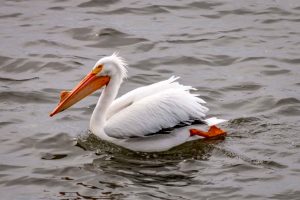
<point x="242" y="56"/>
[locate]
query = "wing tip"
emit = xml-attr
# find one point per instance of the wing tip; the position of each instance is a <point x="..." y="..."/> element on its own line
<point x="214" y="121"/>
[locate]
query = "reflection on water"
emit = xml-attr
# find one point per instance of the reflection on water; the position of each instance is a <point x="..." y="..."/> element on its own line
<point x="242" y="57"/>
<point x="191" y="150"/>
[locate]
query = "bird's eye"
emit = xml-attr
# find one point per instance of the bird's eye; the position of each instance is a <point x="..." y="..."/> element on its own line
<point x="97" y="69"/>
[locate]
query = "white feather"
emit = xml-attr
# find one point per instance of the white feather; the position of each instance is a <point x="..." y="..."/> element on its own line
<point x="141" y="92"/>
<point x="214" y="121"/>
<point x="150" y="114"/>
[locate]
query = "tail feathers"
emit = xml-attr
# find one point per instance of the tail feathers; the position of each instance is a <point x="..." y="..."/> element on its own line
<point x="214" y="121"/>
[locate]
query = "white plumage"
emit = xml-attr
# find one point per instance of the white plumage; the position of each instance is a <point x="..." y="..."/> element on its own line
<point x="129" y="120"/>
<point x="152" y="108"/>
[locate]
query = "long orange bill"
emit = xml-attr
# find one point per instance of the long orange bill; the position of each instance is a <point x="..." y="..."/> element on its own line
<point x="87" y="86"/>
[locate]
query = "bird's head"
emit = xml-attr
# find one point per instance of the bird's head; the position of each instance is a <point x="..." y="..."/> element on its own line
<point x="107" y="68"/>
<point x="112" y="66"/>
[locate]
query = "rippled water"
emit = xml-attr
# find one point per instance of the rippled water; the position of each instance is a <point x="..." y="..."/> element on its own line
<point x="242" y="56"/>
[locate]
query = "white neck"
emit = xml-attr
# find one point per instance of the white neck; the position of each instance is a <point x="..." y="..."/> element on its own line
<point x="107" y="96"/>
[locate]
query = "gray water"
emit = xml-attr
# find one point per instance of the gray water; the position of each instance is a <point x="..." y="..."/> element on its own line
<point x="242" y="56"/>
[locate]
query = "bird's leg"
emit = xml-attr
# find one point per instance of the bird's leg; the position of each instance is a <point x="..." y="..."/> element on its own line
<point x="212" y="132"/>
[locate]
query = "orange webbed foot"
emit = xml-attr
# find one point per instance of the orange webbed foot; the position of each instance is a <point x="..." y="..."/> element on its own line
<point x="212" y="132"/>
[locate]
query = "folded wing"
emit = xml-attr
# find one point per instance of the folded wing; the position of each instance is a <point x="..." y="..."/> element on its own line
<point x="149" y="109"/>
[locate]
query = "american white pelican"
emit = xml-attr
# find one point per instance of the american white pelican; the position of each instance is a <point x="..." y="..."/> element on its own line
<point x="132" y="120"/>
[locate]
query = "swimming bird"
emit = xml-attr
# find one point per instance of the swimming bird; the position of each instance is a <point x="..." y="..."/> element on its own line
<point x="135" y="120"/>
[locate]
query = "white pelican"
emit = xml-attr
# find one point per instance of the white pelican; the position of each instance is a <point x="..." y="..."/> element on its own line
<point x="132" y="120"/>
